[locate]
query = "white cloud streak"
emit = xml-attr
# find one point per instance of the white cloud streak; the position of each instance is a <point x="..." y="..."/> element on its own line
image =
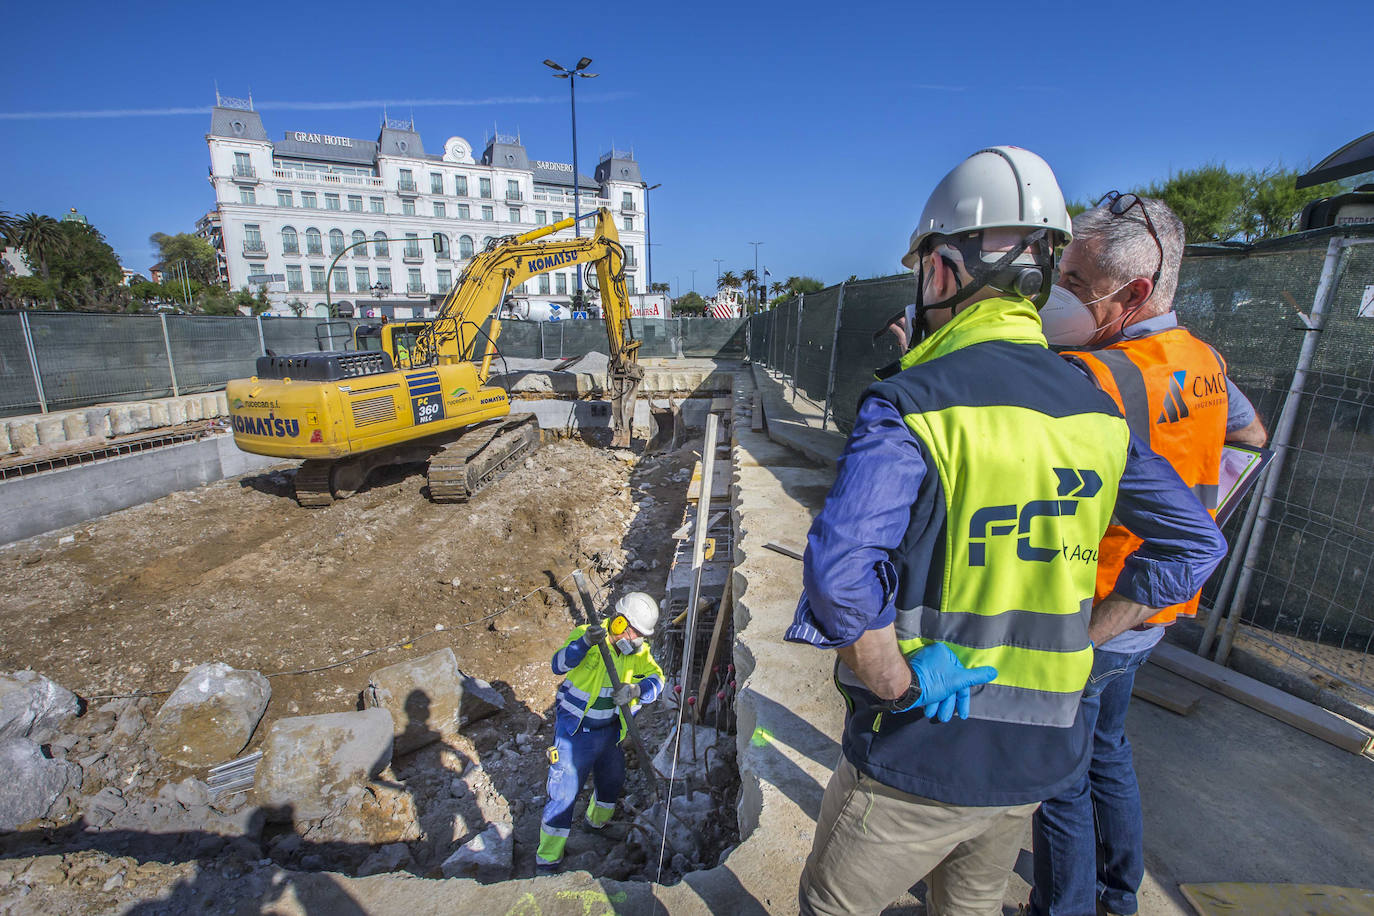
<point x="303" y="106"/>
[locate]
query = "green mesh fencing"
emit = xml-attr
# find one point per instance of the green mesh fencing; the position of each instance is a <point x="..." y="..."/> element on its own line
<point x="85" y="359"/>
<point x="207" y="352"/>
<point x="18" y="390"/>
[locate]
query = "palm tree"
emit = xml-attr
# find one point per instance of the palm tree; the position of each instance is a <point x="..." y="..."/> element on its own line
<point x="6" y="229"/>
<point x="777" y="288"/>
<point x="728" y="280"/>
<point x="40" y="237"/>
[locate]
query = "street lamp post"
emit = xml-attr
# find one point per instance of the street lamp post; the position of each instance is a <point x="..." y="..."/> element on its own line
<point x="694" y="277"/>
<point x="756" y="270"/>
<point x="563" y="73"/>
<point x="718" y="261"/>
<point x="649" y="238"/>
<point x="438" y="239"/>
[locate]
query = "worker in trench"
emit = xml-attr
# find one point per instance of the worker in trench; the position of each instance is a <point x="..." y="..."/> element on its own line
<point x="953" y="566"/>
<point x="589" y="722"/>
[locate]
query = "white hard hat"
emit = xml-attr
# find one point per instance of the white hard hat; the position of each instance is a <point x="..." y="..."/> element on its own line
<point x="640" y="610"/>
<point x="998" y="187"/>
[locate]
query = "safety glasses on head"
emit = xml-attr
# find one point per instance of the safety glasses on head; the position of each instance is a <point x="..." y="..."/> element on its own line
<point x="1119" y="205"/>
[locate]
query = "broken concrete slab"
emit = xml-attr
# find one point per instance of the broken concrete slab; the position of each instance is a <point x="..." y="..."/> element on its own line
<point x="157" y="413"/>
<point x="75" y="426"/>
<point x="391" y="857"/>
<point x="487" y="857"/>
<point x="310" y="762"/>
<point x="423" y="695"/>
<point x="23" y="434"/>
<point x="34" y="707"/>
<point x="370" y="815"/>
<point x="33" y="783"/>
<point x="98" y="421"/>
<point x="211" y="715"/>
<point x="480" y="700"/>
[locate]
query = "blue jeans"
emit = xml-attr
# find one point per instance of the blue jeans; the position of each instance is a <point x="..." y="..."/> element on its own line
<point x="1069" y="877"/>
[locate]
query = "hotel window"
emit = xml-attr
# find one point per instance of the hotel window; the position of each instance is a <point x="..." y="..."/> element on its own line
<point x="293" y="278"/>
<point x="630" y="283"/>
<point x="541" y="217"/>
<point x="243" y="166"/>
<point x="289" y="243"/>
<point x="336" y="242"/>
<point x="558" y="216"/>
<point x="247" y="196"/>
<point x="488" y="213"/>
<point x="627" y="201"/>
<point x="358" y="239"/>
<point x="378" y="204"/>
<point x="384" y="277"/>
<point x="512" y="190"/>
<point x="380" y="248"/>
<point x="436" y="183"/>
<point x="440" y="209"/>
<point x="407" y="208"/>
<point x="317" y="279"/>
<point x="464" y="246"/>
<point x="544" y="284"/>
<point x="464" y="212"/>
<point x="361" y="279"/>
<point x="484" y="186"/>
<point x="252" y="234"/>
<point x="412" y="249"/>
<point x="629" y="223"/>
<point x="331" y="201"/>
<point x="407" y="180"/>
<point x="355" y="203"/>
<point x="285" y="199"/>
<point x="413" y="282"/>
<point x="630" y="255"/>
<point x="313" y="242"/>
<point x="341" y="280"/>
<point x="561" y="284"/>
<point x="309" y="200"/>
<point x="460" y="185"/>
<point x="445" y="280"/>
<point x="514" y="214"/>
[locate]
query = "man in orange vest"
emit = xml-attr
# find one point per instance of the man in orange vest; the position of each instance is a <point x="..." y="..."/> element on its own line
<point x="1113" y="310"/>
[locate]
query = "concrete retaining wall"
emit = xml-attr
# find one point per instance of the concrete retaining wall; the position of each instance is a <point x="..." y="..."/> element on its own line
<point x="107" y="421"/>
<point x="55" y="499"/>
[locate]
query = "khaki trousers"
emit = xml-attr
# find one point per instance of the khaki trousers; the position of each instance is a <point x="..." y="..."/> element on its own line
<point x="874" y="842"/>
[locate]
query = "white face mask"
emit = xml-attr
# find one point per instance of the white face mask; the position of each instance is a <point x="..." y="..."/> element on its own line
<point x="1066" y="319"/>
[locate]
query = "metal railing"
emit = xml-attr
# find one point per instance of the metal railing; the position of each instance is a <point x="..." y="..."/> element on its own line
<point x="251" y="247"/>
<point x="298" y="176"/>
<point x="245" y="171"/>
<point x="405" y="186"/>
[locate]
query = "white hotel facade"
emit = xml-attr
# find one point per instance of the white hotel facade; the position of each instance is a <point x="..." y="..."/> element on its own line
<point x="285" y="208"/>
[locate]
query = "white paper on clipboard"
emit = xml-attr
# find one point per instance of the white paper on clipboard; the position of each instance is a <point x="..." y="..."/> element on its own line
<point x="1240" y="468"/>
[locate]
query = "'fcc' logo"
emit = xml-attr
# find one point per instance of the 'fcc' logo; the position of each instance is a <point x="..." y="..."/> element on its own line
<point x="995" y="521"/>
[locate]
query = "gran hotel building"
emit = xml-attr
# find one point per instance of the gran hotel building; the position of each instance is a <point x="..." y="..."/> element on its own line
<point x="284" y="208"/>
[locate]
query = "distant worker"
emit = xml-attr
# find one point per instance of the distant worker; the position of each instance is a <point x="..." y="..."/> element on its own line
<point x="589" y="726"/>
<point x="1115" y="300"/>
<point x="953" y="564"/>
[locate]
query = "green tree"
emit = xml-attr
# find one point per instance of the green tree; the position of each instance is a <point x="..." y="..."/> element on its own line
<point x="1273" y="202"/>
<point x="28" y="292"/>
<point x="658" y="287"/>
<point x="750" y="279"/>
<point x="40" y="237"/>
<point x="804" y="284"/>
<point x="201" y="259"/>
<point x="728" y="280"/>
<point x="86" y="270"/>
<point x="297" y="307"/>
<point x="689" y="304"/>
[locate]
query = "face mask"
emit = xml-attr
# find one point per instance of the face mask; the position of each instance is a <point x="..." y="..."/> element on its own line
<point x="1066" y="319"/>
<point x="626" y="646"/>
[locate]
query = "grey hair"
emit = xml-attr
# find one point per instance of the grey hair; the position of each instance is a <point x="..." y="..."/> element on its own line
<point x="1122" y="248"/>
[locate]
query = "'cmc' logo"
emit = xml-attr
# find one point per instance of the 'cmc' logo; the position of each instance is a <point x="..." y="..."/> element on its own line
<point x="995" y="521"/>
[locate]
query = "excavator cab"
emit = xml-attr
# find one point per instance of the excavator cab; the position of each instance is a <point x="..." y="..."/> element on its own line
<point x="396" y="338"/>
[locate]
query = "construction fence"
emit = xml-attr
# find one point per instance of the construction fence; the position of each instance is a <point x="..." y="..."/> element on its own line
<point x="62" y="360"/>
<point x="1295" y="320"/>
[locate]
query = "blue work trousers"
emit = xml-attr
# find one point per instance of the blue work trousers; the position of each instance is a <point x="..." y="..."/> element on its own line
<point x="1101" y="814"/>
<point x="596" y="752"/>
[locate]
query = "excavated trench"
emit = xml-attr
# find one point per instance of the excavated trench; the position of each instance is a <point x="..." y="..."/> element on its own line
<point x="118" y="609"/>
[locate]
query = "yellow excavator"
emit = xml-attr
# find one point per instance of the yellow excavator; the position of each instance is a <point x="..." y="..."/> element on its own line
<point x="412" y="392"/>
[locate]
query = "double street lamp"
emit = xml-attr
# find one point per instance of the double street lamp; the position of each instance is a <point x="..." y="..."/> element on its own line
<point x="572" y="76"/>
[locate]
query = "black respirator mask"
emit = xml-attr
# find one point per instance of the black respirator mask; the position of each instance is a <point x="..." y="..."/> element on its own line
<point x="1027" y="281"/>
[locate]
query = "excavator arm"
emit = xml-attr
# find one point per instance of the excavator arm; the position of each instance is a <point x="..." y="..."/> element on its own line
<point x="458" y="332"/>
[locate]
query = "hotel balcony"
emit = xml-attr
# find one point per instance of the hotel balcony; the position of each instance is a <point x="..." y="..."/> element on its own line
<point x="245" y="174"/>
<point x="415" y="289"/>
<point x="407" y="188"/>
<point x="252" y="249"/>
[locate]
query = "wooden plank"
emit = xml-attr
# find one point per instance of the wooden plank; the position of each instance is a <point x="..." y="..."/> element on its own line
<point x="1155" y="685"/>
<point x="720" y="485"/>
<point x="724" y="607"/>
<point x="786" y="549"/>
<point x="1318" y="722"/>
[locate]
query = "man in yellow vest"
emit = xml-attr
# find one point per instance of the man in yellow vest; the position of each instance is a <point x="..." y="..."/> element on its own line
<point x="1113" y="307"/>
<point x="952" y="567"/>
<point x="589" y="724"/>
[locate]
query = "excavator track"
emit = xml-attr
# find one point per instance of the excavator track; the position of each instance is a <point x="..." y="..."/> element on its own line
<point x="479" y="458"/>
<point x="313" y="489"/>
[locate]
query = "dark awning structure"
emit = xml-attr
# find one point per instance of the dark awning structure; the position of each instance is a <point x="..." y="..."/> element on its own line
<point x="1355" y="157"/>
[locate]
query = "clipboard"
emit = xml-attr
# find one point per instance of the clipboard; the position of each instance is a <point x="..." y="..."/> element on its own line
<point x="1240" y="470"/>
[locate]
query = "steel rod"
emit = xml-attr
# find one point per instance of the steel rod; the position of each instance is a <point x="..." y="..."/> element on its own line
<point x="834" y="349"/>
<point x="171" y="366"/>
<point x="689" y="632"/>
<point x="33" y="361"/>
<point x="1228" y="581"/>
<point x="796" y="350"/>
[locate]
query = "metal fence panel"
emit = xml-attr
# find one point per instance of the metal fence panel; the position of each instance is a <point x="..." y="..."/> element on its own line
<point x="86" y="359"/>
<point x="520" y="340"/>
<point x="713" y="337"/>
<point x="816" y="334"/>
<point x="867" y="306"/>
<point x="18" y="393"/>
<point x="207" y="351"/>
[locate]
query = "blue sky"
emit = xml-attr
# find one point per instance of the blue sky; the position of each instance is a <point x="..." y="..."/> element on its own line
<point x="818" y="129"/>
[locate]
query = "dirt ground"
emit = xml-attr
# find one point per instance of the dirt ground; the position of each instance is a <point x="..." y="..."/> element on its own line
<point x="236" y="572"/>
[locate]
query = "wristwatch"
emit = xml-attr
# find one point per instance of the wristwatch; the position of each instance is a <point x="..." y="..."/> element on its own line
<point x="907" y="700"/>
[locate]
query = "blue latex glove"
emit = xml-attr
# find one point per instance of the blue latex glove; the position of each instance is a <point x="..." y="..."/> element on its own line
<point x="945" y="682"/>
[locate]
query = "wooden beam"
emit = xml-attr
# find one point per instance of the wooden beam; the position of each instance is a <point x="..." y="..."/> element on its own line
<point x="726" y="606"/>
<point x="1156" y="685"/>
<point x="1271" y="701"/>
